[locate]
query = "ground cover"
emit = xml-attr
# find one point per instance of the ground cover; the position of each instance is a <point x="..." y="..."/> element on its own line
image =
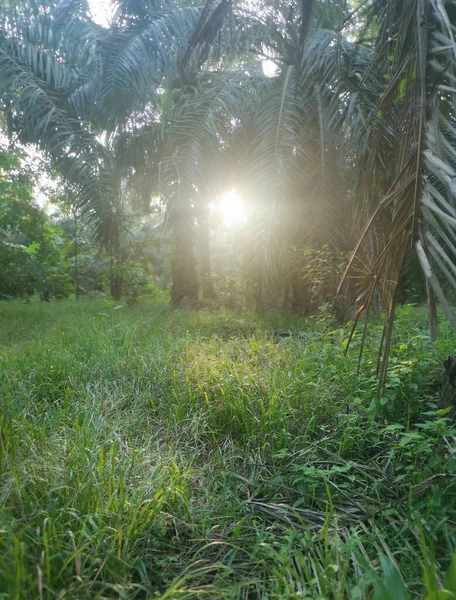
<point x="149" y="453"/>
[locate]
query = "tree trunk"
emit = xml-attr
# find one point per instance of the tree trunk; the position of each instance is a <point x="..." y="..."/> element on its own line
<point x="76" y="266"/>
<point x="448" y="386"/>
<point x="185" y="282"/>
<point x="115" y="276"/>
<point x="432" y="313"/>
<point x="207" y="285"/>
<point x="116" y="287"/>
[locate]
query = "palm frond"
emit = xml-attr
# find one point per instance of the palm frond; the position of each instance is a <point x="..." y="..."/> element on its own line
<point x="35" y="86"/>
<point x="409" y="143"/>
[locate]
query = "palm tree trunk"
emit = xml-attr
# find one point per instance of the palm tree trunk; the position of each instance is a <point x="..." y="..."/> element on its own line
<point x="76" y="266"/>
<point x="207" y="285"/>
<point x="115" y="277"/>
<point x="184" y="278"/>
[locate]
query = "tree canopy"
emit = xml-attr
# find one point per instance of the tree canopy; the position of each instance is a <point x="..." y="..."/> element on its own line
<point x="334" y="120"/>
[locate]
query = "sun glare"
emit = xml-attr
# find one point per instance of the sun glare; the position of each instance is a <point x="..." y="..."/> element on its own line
<point x="231" y="208"/>
<point x="100" y="11"/>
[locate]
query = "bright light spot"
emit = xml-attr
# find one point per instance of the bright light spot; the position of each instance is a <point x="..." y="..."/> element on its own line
<point x="101" y="11"/>
<point x="270" y="68"/>
<point x="232" y="208"/>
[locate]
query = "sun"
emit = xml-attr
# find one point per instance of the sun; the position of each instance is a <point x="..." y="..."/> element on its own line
<point x="231" y="208"/>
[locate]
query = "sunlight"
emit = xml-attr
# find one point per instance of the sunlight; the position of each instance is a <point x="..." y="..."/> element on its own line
<point x="232" y="208"/>
<point x="100" y="11"/>
<point x="270" y="68"/>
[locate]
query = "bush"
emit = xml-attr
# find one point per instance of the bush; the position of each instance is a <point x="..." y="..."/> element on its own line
<point x="57" y="283"/>
<point x="134" y="277"/>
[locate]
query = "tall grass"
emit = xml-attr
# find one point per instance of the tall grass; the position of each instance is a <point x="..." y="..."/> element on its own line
<point x="147" y="453"/>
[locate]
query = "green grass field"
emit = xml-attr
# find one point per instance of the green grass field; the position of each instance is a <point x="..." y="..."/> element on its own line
<point x="147" y="453"/>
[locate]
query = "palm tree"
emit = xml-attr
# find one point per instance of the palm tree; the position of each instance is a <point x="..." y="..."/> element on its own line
<point x="73" y="89"/>
<point x="272" y="135"/>
<point x="192" y="118"/>
<point x="39" y="94"/>
<point x="383" y="101"/>
<point x="401" y="133"/>
<point x="364" y="97"/>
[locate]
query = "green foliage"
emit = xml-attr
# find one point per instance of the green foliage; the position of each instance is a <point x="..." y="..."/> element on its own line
<point x="392" y="587"/>
<point x="58" y="283"/>
<point x="155" y="453"/>
<point x="314" y="277"/>
<point x="31" y="254"/>
<point x="135" y="280"/>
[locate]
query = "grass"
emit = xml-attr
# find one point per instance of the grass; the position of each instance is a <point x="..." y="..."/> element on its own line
<point x="147" y="453"/>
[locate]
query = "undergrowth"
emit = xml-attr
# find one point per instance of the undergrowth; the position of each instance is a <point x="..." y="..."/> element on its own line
<point x="147" y="453"/>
